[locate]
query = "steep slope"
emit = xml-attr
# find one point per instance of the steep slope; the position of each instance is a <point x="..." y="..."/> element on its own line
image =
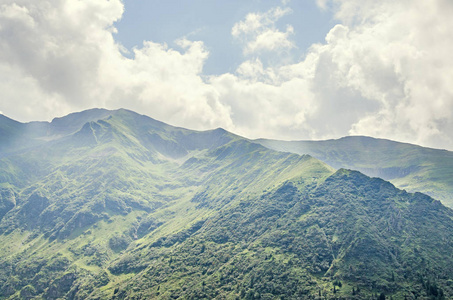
<point x="410" y="167"/>
<point x="81" y="198"/>
<point x="9" y="130"/>
<point x="351" y="236"/>
<point x="127" y="207"/>
<point x="16" y="136"/>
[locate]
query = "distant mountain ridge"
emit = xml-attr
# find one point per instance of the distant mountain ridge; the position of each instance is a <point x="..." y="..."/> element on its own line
<point x="410" y="167"/>
<point x="116" y="205"/>
<point x="15" y="135"/>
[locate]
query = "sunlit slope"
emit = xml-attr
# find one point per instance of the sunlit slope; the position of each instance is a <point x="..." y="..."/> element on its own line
<point x="409" y="167"/>
<point x="358" y="234"/>
<point x="131" y="158"/>
<point x="74" y="201"/>
<point x="113" y="204"/>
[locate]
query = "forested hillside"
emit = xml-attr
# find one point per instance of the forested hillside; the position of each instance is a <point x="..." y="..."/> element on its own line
<point x="112" y="204"/>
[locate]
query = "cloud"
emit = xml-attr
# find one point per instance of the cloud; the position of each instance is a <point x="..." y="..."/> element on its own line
<point x="259" y="33"/>
<point x="396" y="56"/>
<point x="385" y="70"/>
<point x="57" y="46"/>
<point x="60" y="56"/>
<point x="257" y="21"/>
<point x="322" y="4"/>
<point x="271" y="40"/>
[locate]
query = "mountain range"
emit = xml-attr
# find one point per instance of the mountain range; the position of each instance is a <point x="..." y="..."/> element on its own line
<point x="116" y="205"/>
<point x="410" y="167"/>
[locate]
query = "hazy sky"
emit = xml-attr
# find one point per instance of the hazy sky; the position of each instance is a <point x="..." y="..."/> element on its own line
<point x="308" y="69"/>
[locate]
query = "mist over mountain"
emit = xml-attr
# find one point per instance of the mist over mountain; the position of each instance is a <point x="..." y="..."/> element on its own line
<point x="410" y="167"/>
<point x="116" y="205"/>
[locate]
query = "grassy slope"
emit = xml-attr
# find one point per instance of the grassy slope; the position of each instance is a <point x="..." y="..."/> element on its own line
<point x="409" y="167"/>
<point x="124" y="181"/>
<point x="130" y="207"/>
<point x="297" y="240"/>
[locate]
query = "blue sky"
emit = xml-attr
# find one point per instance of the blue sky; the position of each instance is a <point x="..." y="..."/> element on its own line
<point x="292" y="70"/>
<point x="212" y="21"/>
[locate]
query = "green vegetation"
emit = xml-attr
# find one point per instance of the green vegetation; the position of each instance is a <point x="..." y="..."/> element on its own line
<point x="112" y="204"/>
<point x="409" y="167"/>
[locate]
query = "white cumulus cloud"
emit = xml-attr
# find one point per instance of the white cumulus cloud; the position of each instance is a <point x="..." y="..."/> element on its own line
<point x="259" y="33"/>
<point x="395" y="54"/>
<point x="60" y="56"/>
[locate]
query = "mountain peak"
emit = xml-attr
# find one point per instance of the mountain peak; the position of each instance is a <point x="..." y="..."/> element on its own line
<point x="74" y="121"/>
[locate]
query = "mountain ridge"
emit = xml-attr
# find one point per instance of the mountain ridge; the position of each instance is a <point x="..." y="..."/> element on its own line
<point x="408" y="166"/>
<point x="128" y="207"/>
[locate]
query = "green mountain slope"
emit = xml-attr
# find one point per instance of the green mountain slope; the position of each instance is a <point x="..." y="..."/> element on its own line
<point x="297" y="242"/>
<point x="410" y="167"/>
<point x="127" y="207"/>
